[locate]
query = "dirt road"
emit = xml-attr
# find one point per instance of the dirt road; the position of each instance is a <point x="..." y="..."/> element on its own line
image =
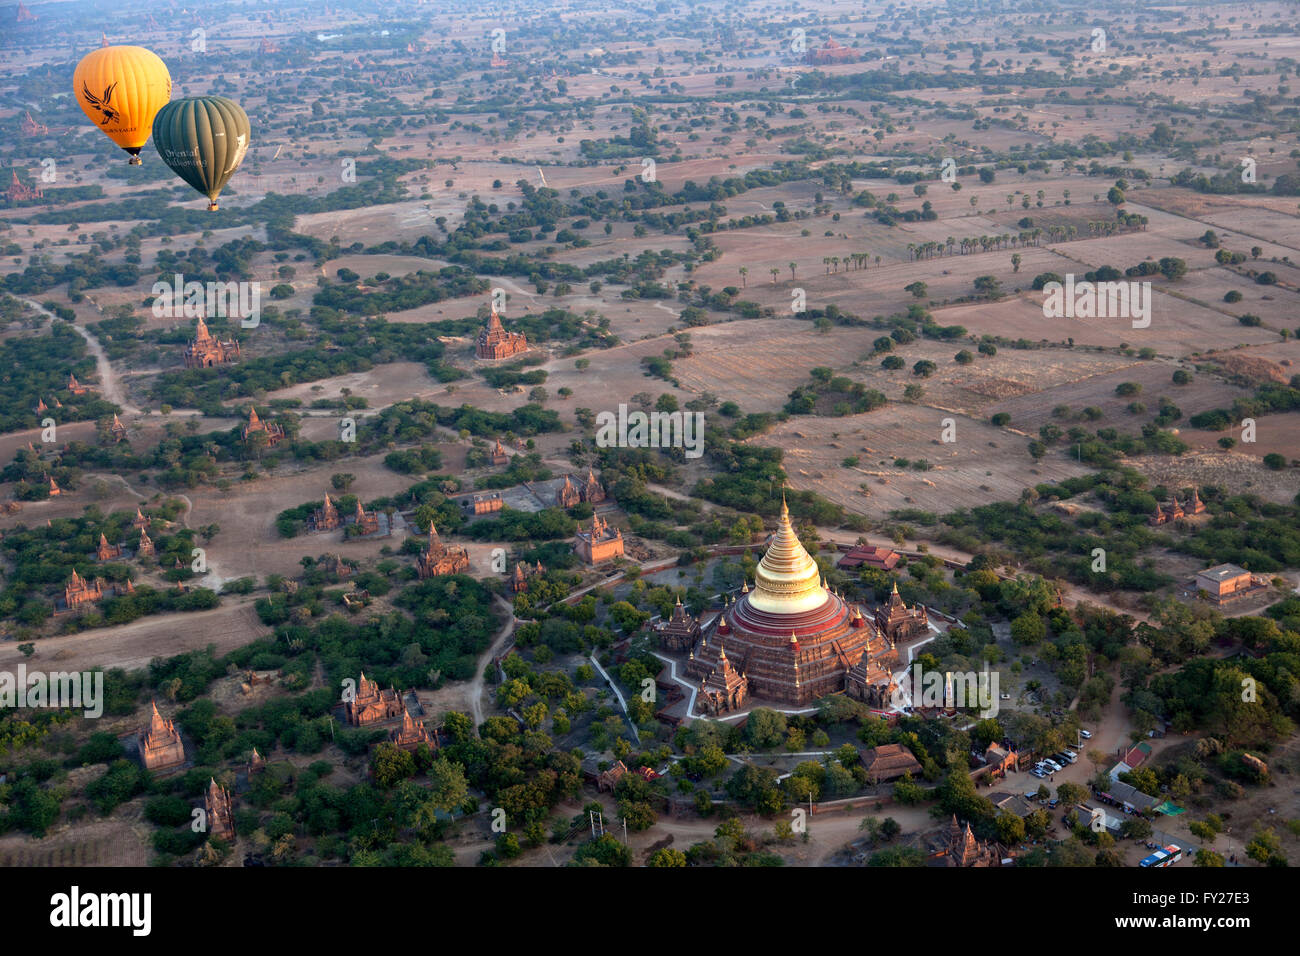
<point x="109" y="386"/>
<point x="474" y="691"/>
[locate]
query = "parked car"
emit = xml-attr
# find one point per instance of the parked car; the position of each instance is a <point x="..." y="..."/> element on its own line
<point x="1053" y="765"/>
<point x="1052" y="803"/>
<point x="1085" y="734"/>
<point x="1006" y="696"/>
<point x="1038" y="772"/>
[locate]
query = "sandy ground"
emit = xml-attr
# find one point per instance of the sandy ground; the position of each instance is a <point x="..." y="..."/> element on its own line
<point x="132" y="646"/>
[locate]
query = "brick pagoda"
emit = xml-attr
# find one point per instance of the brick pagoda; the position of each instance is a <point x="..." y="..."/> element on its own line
<point x="79" y="591"/>
<point x="256" y="426"/>
<point x="221" y="815"/>
<point x="160" y="745"/>
<point x="411" y="734"/>
<point x="438" y="558"/>
<point x="598" y="543"/>
<point x="494" y="342"/>
<point x="206" y="350"/>
<point x="326" y="517"/>
<point x="372" y="705"/>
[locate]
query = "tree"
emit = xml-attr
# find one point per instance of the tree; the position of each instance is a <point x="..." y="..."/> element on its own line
<point x="667" y="857"/>
<point x="1173" y="268"/>
<point x="1266" y="848"/>
<point x="765" y="728"/>
<point x="1071" y="794"/>
<point x="603" y="851"/>
<point x="390" y="765"/>
<point x="908" y="792"/>
<point x="1011" y="829"/>
<point x="1136" y="828"/>
<point x="1028" y="629"/>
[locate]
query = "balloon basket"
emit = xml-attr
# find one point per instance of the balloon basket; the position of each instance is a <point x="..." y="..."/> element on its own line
<point x="135" y="161"/>
<point x="212" y="206"/>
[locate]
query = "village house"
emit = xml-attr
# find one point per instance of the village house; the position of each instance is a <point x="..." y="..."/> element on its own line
<point x="889" y="762"/>
<point x="882" y="559"/>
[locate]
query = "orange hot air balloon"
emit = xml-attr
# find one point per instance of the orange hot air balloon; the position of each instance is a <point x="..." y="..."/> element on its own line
<point x="122" y="88"/>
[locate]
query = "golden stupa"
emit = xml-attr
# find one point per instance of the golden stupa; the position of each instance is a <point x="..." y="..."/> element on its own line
<point x="787" y="580"/>
<point x="789" y="639"/>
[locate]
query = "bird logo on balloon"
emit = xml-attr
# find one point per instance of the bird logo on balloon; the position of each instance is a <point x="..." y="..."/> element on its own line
<point x="105" y="105"/>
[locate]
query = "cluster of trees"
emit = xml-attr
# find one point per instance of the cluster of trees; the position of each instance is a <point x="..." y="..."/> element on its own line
<point x="400" y="293"/>
<point x="44" y="557"/>
<point x="1060" y="546"/>
<point x="834" y="395"/>
<point x="343" y="344"/>
<point x="37" y="369"/>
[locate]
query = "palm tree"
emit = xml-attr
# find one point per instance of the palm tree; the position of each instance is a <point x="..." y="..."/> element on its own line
<point x="744" y="280"/>
<point x="775" y="272"/>
<point x="792" y="265"/>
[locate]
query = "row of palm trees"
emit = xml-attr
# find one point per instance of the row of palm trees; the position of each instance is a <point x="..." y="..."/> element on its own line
<point x="968" y="244"/>
<point x="1026" y="237"/>
<point x="856" y="260"/>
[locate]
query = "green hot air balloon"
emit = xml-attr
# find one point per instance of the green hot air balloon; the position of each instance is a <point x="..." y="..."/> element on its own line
<point x="203" y="139"/>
